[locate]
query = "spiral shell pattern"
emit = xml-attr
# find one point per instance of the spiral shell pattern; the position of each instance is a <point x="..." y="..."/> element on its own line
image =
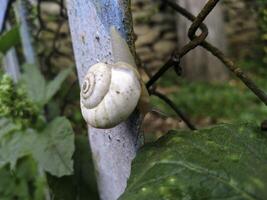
<point x="109" y="94"/>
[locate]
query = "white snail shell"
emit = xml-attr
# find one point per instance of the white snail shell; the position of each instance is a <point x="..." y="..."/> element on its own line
<point x="109" y="94"/>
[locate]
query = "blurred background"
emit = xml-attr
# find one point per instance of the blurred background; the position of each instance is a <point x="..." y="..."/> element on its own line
<point x="206" y="92"/>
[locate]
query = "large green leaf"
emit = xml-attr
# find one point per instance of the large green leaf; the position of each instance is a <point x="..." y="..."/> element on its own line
<point x="39" y="90"/>
<point x="34" y="82"/>
<point x="6" y="127"/>
<point x="82" y="184"/>
<point x="54" y="147"/>
<point x="226" y="162"/>
<point x="24" y="183"/>
<point x="9" y="39"/>
<point x="14" y="146"/>
<point x="54" y="85"/>
<point x="14" y="142"/>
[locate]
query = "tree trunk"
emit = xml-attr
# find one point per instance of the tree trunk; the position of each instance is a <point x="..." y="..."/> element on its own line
<point x="200" y="64"/>
<point x="112" y="149"/>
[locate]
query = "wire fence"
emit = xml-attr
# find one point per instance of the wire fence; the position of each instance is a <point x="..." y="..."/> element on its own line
<point x="177" y="55"/>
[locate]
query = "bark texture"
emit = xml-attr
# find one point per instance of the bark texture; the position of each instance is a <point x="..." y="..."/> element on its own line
<point x="112" y="149"/>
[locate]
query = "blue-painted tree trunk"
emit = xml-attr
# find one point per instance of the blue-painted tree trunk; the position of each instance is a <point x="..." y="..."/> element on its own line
<point x="113" y="149"/>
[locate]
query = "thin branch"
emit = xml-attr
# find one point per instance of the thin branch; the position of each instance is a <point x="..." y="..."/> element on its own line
<point x="174" y="107"/>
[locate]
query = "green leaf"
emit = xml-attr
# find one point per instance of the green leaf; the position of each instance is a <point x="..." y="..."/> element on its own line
<point x="15" y="146"/>
<point x="227" y="162"/>
<point x="6" y="127"/>
<point x="54" y="85"/>
<point x="54" y="147"/>
<point x="22" y="183"/>
<point x="9" y="39"/>
<point x="34" y="82"/>
<point x="37" y="88"/>
<point x="82" y="184"/>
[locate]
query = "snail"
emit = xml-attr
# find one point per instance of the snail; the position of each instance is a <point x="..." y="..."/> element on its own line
<point x="111" y="92"/>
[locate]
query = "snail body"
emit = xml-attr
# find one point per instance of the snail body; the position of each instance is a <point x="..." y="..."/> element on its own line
<point x="110" y="93"/>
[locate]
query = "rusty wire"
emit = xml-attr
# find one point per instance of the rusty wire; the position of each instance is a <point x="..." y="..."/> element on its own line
<point x="197" y="23"/>
<point x="220" y="55"/>
<point x="177" y="55"/>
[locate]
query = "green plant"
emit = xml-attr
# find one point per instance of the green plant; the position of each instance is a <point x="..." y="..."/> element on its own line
<point x="220" y="102"/>
<point x="27" y="137"/>
<point x="24" y="183"/>
<point x="221" y="162"/>
<point x="9" y="39"/>
<point x="15" y="105"/>
<point x="25" y="132"/>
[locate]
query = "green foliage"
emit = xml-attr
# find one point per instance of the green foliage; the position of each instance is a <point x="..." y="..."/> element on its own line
<point x="48" y="147"/>
<point x="223" y="162"/>
<point x="9" y="39"/>
<point x="39" y="90"/>
<point x="54" y="147"/>
<point x="24" y="132"/>
<point x="222" y="102"/>
<point x="54" y="86"/>
<point x="15" y="145"/>
<point x="23" y="183"/>
<point x="30" y="133"/>
<point x="82" y="184"/>
<point x="15" y="105"/>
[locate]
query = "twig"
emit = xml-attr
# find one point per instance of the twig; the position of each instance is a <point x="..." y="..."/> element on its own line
<point x="221" y="56"/>
<point x="174" y="107"/>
